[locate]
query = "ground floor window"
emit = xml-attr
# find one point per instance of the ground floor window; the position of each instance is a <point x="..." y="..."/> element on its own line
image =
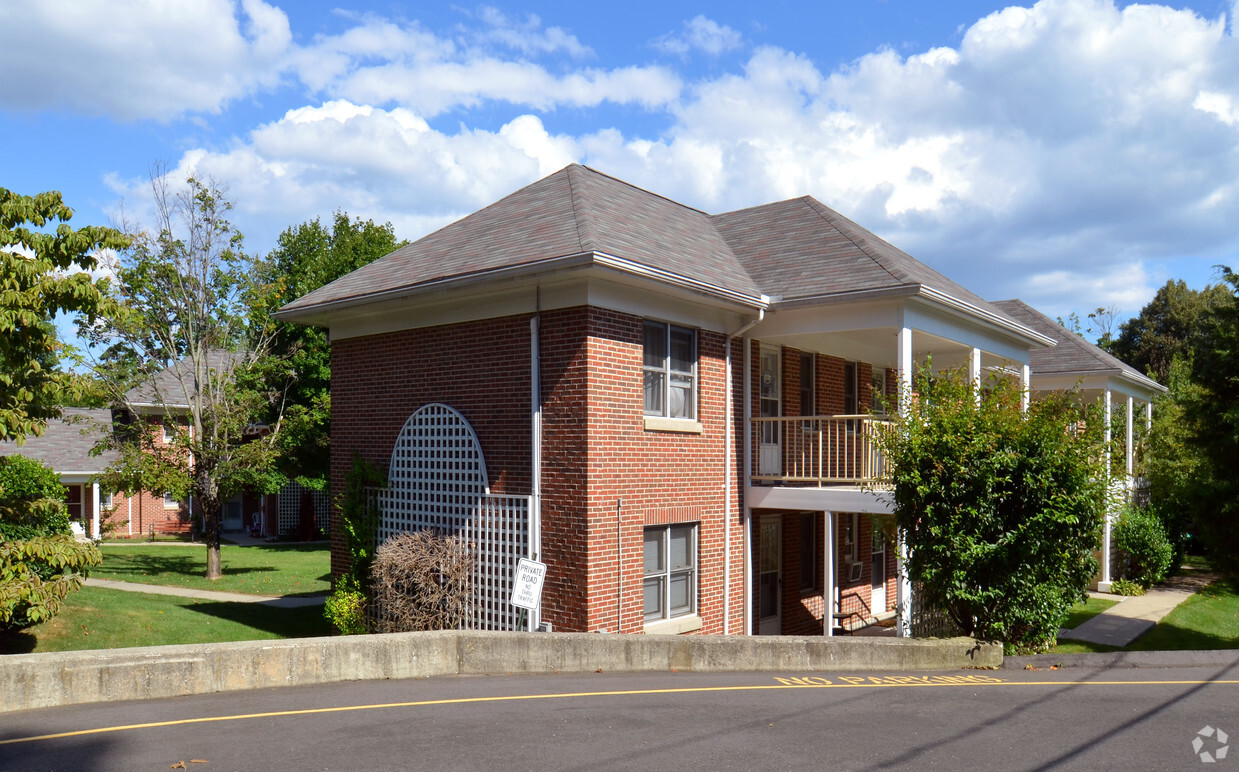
<point x="670" y="584"/>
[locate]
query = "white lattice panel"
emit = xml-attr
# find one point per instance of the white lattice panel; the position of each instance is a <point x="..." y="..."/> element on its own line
<point x="437" y="480"/>
<point x="289" y="508"/>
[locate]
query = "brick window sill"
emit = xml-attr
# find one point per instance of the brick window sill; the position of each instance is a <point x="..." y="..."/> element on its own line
<point x="656" y="423"/>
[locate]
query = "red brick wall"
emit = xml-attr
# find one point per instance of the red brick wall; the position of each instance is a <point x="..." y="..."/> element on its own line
<point x="661" y="477"/>
<point x="596" y="451"/>
<point x="479" y="368"/>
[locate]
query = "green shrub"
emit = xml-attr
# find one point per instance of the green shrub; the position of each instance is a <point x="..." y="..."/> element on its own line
<point x="1143" y="552"/>
<point x="31" y="495"/>
<point x="358" y="526"/>
<point x="346" y="607"/>
<point x="1001" y="509"/>
<point x="36" y="575"/>
<point x="1126" y="587"/>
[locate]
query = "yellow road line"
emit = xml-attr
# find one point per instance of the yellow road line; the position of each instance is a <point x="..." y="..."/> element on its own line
<point x="567" y="695"/>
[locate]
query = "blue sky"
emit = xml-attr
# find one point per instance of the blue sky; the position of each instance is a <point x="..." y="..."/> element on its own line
<point x="1075" y="153"/>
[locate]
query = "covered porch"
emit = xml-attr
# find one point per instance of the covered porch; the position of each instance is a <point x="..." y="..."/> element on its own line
<point x="821" y="386"/>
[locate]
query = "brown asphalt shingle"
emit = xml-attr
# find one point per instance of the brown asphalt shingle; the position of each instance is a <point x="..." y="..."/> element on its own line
<point x="797" y="248"/>
<point x="1073" y="355"/>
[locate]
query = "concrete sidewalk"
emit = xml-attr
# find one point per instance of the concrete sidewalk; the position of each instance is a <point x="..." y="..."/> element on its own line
<point x="1132" y="617"/>
<point x="275" y="601"/>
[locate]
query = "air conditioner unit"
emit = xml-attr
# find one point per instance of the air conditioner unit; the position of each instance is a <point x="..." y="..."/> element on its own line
<point x="855" y="568"/>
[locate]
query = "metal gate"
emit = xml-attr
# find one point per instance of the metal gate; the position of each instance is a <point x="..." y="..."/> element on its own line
<point x="437" y="480"/>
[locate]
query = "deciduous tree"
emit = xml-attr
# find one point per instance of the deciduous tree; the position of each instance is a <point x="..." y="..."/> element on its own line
<point x="185" y="348"/>
<point x="43" y="272"/>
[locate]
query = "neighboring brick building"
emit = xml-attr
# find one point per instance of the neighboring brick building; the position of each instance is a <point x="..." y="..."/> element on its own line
<point x="158" y="409"/>
<point x="685" y="401"/>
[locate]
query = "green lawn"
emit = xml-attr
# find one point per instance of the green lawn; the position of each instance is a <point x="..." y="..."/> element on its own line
<point x="276" y="569"/>
<point x="1207" y="620"/>
<point x="94" y="618"/>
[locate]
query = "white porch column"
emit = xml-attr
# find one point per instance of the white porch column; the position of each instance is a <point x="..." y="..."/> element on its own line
<point x="1130" y="454"/>
<point x="903" y="585"/>
<point x="828" y="567"/>
<point x="1148" y="416"/>
<point x="95" y="506"/>
<point x="1108" y="437"/>
<point x="1105" y="583"/>
<point x="1025" y="387"/>
<point x="903" y="589"/>
<point x="974" y="372"/>
<point x="904" y="351"/>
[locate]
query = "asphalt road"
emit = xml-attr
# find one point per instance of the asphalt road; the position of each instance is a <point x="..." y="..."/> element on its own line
<point x="1046" y="719"/>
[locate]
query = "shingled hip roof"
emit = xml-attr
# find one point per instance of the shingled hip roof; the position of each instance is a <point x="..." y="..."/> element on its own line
<point x="796" y="249"/>
<point x="1073" y="355"/>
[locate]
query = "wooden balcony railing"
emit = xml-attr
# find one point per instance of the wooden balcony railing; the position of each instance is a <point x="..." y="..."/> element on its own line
<point x="821" y="450"/>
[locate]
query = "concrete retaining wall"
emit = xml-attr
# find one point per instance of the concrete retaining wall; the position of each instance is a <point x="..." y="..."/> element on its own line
<point x="75" y="677"/>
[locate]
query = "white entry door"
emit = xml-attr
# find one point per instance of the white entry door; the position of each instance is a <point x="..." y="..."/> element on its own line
<point x="770" y="458"/>
<point x="770" y="577"/>
<point x="877" y="563"/>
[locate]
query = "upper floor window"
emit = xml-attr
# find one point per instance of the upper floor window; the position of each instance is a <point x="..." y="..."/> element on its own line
<point x="669" y="365"/>
<point x="807" y="380"/>
<point x="877" y="394"/>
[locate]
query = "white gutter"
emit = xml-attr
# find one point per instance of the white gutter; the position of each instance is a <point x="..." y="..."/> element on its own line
<point x="559" y="263"/>
<point x="727" y="431"/>
<point x="748" y="466"/>
<point x="931" y="294"/>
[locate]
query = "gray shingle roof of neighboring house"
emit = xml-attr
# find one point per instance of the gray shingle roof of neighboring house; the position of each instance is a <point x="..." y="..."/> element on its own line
<point x="1073" y="355"/>
<point x="167" y="387"/>
<point x="791" y="249"/>
<point x="65" y="445"/>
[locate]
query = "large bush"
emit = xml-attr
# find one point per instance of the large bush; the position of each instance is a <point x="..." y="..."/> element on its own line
<point x="1143" y="552"/>
<point x="36" y="575"/>
<point x="31" y="499"/>
<point x="1001" y="510"/>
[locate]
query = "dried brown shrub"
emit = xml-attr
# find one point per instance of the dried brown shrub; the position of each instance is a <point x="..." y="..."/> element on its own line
<point x="421" y="581"/>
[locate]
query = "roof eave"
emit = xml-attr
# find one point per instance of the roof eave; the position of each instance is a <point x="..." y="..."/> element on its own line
<point x="933" y="295"/>
<point x="320" y="313"/>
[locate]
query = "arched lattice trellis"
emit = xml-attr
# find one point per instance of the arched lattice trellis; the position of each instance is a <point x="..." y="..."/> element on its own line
<point x="437" y="479"/>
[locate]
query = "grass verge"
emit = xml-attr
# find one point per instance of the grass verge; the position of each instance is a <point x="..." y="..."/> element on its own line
<point x="276" y="569"/>
<point x="1207" y="620"/>
<point x="94" y="618"/>
<point x="1082" y="612"/>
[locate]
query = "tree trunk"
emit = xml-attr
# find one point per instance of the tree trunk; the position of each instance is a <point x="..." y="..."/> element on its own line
<point x="212" y="524"/>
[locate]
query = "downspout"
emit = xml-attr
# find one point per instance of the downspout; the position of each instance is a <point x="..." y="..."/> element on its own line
<point x="748" y="468"/>
<point x="727" y="473"/>
<point x="535" y="418"/>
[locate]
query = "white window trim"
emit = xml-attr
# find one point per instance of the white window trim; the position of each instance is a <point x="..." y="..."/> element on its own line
<point x="170" y="503"/>
<point x="682" y="622"/>
<point x="667" y="372"/>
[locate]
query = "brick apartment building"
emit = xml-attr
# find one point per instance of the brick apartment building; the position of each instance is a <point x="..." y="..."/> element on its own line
<point x="678" y="407"/>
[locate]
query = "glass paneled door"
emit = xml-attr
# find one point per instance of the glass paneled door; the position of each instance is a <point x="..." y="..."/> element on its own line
<point x="770" y="458"/>
<point x="770" y="579"/>
<point x="877" y="587"/>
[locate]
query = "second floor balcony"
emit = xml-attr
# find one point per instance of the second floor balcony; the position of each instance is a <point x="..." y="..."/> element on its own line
<point x="819" y="450"/>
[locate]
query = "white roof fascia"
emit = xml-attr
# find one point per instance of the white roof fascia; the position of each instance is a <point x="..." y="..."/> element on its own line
<point x="316" y="314"/>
